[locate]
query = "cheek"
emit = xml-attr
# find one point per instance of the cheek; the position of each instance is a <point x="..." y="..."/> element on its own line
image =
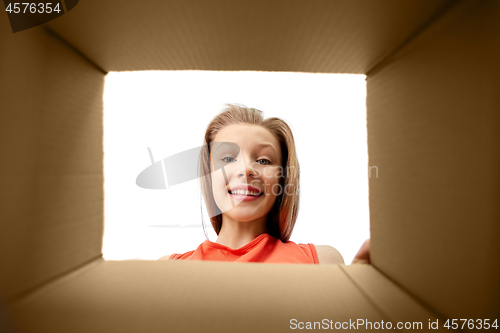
<point x="218" y="184"/>
<point x="271" y="177"/>
<point x="217" y="180"/>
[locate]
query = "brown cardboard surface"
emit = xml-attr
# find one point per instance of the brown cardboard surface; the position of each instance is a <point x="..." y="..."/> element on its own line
<point x="392" y="301"/>
<point x="190" y="296"/>
<point x="51" y="175"/>
<point x="341" y="36"/>
<point x="433" y="132"/>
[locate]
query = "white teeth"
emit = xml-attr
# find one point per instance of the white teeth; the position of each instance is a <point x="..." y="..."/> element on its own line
<point x="243" y="192"/>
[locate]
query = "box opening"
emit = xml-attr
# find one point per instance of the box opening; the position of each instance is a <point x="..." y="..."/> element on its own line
<point x="168" y="111"/>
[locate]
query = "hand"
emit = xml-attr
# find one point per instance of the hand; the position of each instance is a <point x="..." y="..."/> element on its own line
<point x="363" y="255"/>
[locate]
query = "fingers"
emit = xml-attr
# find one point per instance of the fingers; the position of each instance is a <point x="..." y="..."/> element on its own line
<point x="363" y="255"/>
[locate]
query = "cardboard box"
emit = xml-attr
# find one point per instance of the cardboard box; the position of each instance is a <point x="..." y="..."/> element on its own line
<point x="433" y="131"/>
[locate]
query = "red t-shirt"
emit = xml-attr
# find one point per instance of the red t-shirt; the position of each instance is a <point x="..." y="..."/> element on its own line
<point x="264" y="248"/>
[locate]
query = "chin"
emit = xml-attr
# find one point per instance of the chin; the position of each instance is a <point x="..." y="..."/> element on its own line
<point x="243" y="216"/>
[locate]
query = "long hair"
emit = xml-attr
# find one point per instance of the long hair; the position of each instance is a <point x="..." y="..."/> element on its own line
<point x="281" y="219"/>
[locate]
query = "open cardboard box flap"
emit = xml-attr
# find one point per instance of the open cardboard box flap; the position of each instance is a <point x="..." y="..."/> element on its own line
<point x="433" y="131"/>
<point x="177" y="296"/>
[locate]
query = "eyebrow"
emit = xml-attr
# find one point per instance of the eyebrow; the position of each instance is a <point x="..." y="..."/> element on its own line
<point x="263" y="144"/>
<point x="266" y="144"/>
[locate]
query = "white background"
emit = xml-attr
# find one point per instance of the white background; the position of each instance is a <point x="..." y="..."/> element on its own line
<point x="169" y="112"/>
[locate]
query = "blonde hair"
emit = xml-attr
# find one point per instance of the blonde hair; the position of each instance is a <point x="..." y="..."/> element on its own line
<point x="282" y="216"/>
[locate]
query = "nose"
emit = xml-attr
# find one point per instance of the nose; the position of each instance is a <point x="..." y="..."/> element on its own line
<point x="246" y="169"/>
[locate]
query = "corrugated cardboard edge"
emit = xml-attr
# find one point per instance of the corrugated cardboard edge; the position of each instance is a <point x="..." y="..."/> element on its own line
<point x="392" y="301"/>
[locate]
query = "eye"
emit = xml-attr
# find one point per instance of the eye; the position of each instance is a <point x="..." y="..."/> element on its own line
<point x="228" y="159"/>
<point x="264" y="161"/>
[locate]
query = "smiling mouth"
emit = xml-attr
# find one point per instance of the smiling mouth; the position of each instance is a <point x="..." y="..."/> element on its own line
<point x="245" y="193"/>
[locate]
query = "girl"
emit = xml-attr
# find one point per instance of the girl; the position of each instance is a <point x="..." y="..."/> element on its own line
<point x="252" y="193"/>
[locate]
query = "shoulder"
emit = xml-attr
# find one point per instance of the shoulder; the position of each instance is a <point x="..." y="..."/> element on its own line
<point x="165" y="257"/>
<point x="178" y="256"/>
<point x="328" y="255"/>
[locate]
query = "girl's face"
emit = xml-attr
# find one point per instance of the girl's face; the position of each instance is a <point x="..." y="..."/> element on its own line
<point x="252" y="161"/>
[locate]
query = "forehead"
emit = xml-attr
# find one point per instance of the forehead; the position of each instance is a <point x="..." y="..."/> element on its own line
<point x="247" y="135"/>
